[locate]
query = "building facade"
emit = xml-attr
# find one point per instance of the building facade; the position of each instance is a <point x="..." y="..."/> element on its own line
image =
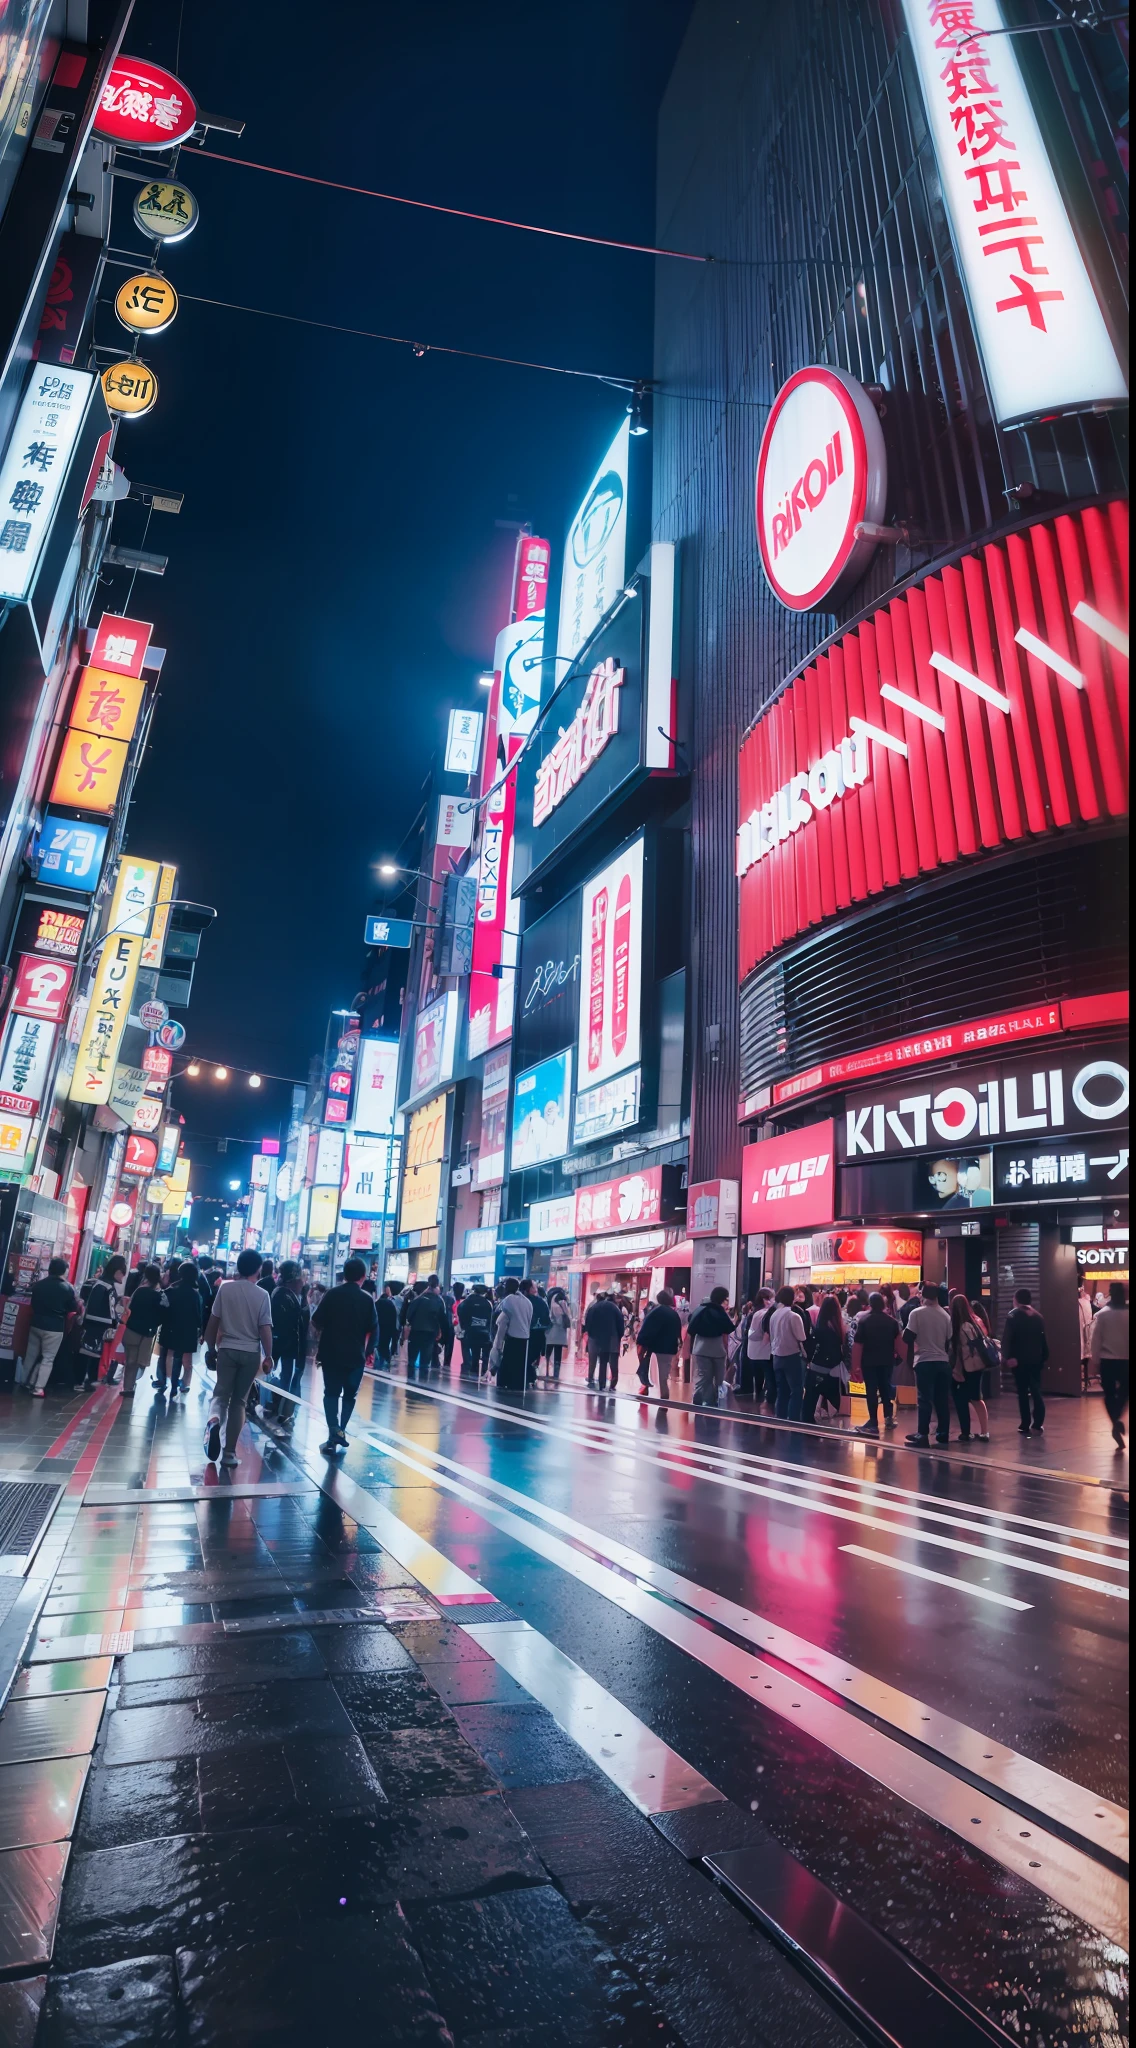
<point x="889" y="446"/>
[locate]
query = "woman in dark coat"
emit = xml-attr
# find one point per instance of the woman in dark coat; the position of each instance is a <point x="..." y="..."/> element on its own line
<point x="180" y="1333"/>
<point x="102" y="1313"/>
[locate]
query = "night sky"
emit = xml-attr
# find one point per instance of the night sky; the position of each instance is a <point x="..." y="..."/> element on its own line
<point x="336" y="578"/>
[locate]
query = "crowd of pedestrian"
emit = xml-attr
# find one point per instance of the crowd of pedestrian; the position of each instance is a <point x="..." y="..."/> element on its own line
<point x="793" y="1354"/>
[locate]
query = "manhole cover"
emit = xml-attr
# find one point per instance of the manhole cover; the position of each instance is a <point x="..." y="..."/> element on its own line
<point x="25" y="1509"/>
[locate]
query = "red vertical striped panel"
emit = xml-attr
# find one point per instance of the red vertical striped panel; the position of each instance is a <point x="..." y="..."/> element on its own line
<point x="813" y="854"/>
<point x="824" y="817"/>
<point x="959" y="767"/>
<point x="1107" y="594"/>
<point x="1017" y="689"/>
<point x="1089" y="654"/>
<point x="881" y="712"/>
<point x="853" y="822"/>
<point x="974" y="711"/>
<point x="900" y="769"/>
<point x="1118" y="521"/>
<point x="1042" y="683"/>
<point x="865" y="796"/>
<point x="832" y="695"/>
<point x="944" y="799"/>
<point x="1056" y="631"/>
<point x="934" y="821"/>
<point x="977" y="617"/>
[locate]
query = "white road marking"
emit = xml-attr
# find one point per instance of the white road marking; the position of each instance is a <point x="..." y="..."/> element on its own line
<point x="919" y="1571"/>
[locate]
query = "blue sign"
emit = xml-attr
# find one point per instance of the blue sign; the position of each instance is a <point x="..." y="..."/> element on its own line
<point x="542" y="1099"/>
<point x="388" y="931"/>
<point x="69" y="852"/>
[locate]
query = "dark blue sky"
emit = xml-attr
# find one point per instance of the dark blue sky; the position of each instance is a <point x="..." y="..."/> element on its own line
<point x="336" y="577"/>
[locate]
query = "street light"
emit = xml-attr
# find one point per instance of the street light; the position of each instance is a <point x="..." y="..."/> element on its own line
<point x="254" y="1080"/>
<point x="220" y="1073"/>
<point x="193" y="1070"/>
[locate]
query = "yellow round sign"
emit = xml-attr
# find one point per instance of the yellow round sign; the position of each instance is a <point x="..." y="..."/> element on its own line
<point x="130" y="388"/>
<point x="165" y="210"/>
<point x="147" y="303"/>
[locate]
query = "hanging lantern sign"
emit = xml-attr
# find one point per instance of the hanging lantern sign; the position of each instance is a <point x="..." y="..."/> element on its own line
<point x="165" y="210"/>
<point x="130" y="388"/>
<point x="146" y="303"/>
<point x="144" y="106"/>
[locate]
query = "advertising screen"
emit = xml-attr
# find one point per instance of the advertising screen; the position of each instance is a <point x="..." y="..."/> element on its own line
<point x="542" y="1099"/>
<point x="611" y="956"/>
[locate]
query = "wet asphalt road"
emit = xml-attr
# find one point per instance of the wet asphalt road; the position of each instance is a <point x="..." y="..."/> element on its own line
<point x="910" y="1670"/>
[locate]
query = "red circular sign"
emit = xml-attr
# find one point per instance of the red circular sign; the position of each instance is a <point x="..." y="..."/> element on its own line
<point x="144" y="106"/>
<point x="822" y="470"/>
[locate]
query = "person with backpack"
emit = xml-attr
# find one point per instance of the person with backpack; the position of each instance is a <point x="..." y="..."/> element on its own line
<point x="1025" y="1348"/>
<point x="755" y="1367"/>
<point x="1109" y="1353"/>
<point x="660" y="1337"/>
<point x="538" y="1327"/>
<point x="386" y="1343"/>
<point x="475" y="1322"/>
<point x="558" y="1332"/>
<point x="290" y="1321"/>
<point x="826" y="1372"/>
<point x="969" y="1356"/>
<point x="784" y="1324"/>
<point x="426" y="1321"/>
<point x="711" y="1327"/>
<point x="102" y="1313"/>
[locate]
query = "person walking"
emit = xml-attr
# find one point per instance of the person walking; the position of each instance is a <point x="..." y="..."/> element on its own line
<point x="148" y="1306"/>
<point x="54" y="1303"/>
<point x="386" y="1308"/>
<point x="711" y="1326"/>
<point x="1025" y="1348"/>
<point x="660" y="1338"/>
<point x="928" y="1336"/>
<point x="785" y="1326"/>
<point x="876" y="1347"/>
<point x="102" y="1313"/>
<point x="289" y="1340"/>
<point x="1085" y="1326"/>
<point x="1110" y="1356"/>
<point x="347" y="1322"/>
<point x="538" y="1326"/>
<point x="475" y="1322"/>
<point x="426" y="1319"/>
<point x="239" y="1335"/>
<point x="826" y="1373"/>
<point x="603" y="1332"/>
<point x="968" y="1363"/>
<point x="511" y="1337"/>
<point x="179" y="1333"/>
<point x="558" y="1332"/>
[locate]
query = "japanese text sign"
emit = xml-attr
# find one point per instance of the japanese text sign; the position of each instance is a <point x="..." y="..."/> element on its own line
<point x="375" y="1088"/>
<point x="105" y="1021"/>
<point x="144" y="106"/>
<point x="25" y="1057"/>
<point x="610" y="1204"/>
<point x="34" y="470"/>
<point x="120" y="645"/>
<point x="89" y="773"/>
<point x="1043" y="338"/>
<point x="789" y="1183"/>
<point x="530" y="576"/>
<point x="463" y="743"/>
<point x="595" y="552"/>
<point x="611" y="948"/>
<point x="106" y="704"/>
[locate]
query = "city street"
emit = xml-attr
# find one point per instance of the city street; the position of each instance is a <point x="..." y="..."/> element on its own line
<point x="852" y="1673"/>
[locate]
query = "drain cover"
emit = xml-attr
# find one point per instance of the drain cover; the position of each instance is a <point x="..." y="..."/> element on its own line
<point x="25" y="1509"/>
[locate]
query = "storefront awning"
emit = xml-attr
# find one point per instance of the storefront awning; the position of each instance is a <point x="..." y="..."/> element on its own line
<point x="674" y="1255"/>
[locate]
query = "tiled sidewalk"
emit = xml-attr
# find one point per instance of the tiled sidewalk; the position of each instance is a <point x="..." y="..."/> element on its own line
<point x="239" y="1827"/>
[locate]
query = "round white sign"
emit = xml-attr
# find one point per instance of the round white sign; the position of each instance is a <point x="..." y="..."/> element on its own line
<point x="153" y="1014"/>
<point x="822" y="470"/>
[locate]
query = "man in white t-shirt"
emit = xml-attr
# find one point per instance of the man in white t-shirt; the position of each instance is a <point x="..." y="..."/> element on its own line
<point x="787" y="1346"/>
<point x="239" y="1330"/>
<point x="929" y="1339"/>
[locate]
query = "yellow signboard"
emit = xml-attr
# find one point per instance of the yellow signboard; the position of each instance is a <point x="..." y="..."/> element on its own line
<point x="113" y="984"/>
<point x="422" y="1172"/>
<point x="130" y="388"/>
<point x="107" y="704"/>
<point x="177" y="1185"/>
<point x="146" y="303"/>
<point x="166" y="211"/>
<point x="89" y="772"/>
<point x="154" y="947"/>
<point x="321" y="1214"/>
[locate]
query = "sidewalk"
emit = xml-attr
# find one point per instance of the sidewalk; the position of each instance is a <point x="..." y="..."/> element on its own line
<point x="257" y="1786"/>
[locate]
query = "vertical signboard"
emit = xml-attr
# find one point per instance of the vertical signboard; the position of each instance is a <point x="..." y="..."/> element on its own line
<point x="1044" y="342"/>
<point x="376" y="1078"/>
<point x="113" y="982"/>
<point x="595" y="552"/>
<point x="611" y="950"/>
